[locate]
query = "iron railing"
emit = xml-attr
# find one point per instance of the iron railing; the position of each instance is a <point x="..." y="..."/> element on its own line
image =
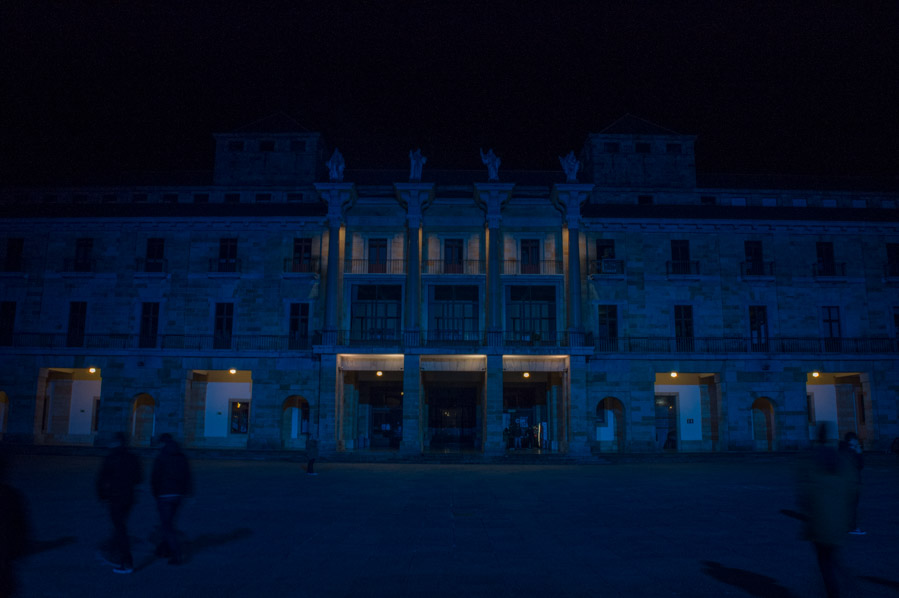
<point x="829" y="269"/>
<point x="757" y="268"/>
<point x="374" y="267"/>
<point x="151" y="265"/>
<point x="539" y="267"/>
<point x="660" y="344"/>
<point x="444" y="267"/>
<point x="302" y="266"/>
<point x="607" y="267"/>
<point x="682" y="268"/>
<point x="79" y="265"/>
<point x="225" y="265"/>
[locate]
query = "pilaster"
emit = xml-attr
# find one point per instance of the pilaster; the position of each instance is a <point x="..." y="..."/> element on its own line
<point x="415" y="199"/>
<point x="491" y="197"/>
<point x="411" y="441"/>
<point x="493" y="407"/>
<point x="339" y="197"/>
<point x="568" y="199"/>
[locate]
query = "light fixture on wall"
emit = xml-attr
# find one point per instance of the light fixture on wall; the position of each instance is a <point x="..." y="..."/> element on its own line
<point x="92" y="370"/>
<point x="674" y="374"/>
<point x="815" y="374"/>
<point x="526" y="374"/>
<point x="379" y="373"/>
<point x="232" y="371"/>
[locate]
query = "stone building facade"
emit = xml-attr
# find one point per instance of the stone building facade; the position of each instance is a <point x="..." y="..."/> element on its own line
<point x="645" y="308"/>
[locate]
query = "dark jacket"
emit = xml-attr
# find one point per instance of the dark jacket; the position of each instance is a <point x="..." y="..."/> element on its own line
<point x="13" y="536"/>
<point x="171" y="472"/>
<point x="119" y="474"/>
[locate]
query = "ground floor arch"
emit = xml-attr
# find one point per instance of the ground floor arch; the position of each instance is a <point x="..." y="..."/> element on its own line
<point x="763" y="426"/>
<point x="609" y="425"/>
<point x="67" y="405"/>
<point x="295" y="416"/>
<point x="217" y="406"/>
<point x="143" y="419"/>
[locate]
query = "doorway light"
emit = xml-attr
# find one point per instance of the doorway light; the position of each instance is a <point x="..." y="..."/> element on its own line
<point x="232" y="371"/>
<point x="92" y="370"/>
<point x="526" y="374"/>
<point x="379" y="373"/>
<point x="815" y="374"/>
<point x="674" y="374"/>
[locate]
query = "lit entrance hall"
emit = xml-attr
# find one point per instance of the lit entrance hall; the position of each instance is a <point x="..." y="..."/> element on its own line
<point x="68" y="405"/>
<point x="841" y="400"/>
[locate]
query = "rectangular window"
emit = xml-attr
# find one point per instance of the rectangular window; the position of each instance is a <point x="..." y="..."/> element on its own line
<point x="7" y="322"/>
<point x="232" y="197"/>
<point x="896" y="321"/>
<point x="531" y="314"/>
<point x="607" y="327"/>
<point x="294" y="197"/>
<point x="376" y="312"/>
<point x="830" y="319"/>
<point x="15" y="249"/>
<point x="267" y="145"/>
<point x="227" y="261"/>
<point x="758" y="327"/>
<point x="263" y="197"/>
<point x="825" y="265"/>
<point x="642" y="147"/>
<point x="301" y="260"/>
<point x="77" y="323"/>
<point x="223" y="326"/>
<point x="892" y="269"/>
<point x="155" y="257"/>
<point x="683" y="327"/>
<point x="673" y="148"/>
<point x="453" y="313"/>
<point x="298" y="326"/>
<point x="377" y="256"/>
<point x="644" y="200"/>
<point x="240" y="417"/>
<point x="708" y="200"/>
<point x="755" y="264"/>
<point x="680" y="257"/>
<point x="83" y="250"/>
<point x="530" y="256"/>
<point x="452" y="256"/>
<point x="605" y="249"/>
<point x="149" y="325"/>
<point x="201" y="198"/>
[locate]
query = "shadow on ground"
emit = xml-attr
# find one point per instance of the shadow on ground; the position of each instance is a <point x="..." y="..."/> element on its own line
<point x="754" y="584"/>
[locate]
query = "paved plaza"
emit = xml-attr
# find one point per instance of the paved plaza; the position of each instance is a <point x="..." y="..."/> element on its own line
<point x="261" y="528"/>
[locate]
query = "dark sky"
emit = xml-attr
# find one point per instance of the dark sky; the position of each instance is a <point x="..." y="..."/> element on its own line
<point x="96" y="88"/>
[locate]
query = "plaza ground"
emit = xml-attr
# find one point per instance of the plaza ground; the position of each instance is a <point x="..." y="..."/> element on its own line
<point x="260" y="528"/>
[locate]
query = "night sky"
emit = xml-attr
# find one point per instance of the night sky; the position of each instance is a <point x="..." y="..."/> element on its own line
<point x="93" y="89"/>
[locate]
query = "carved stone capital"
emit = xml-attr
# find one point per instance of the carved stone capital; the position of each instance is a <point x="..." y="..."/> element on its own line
<point x="568" y="199"/>
<point x="415" y="199"/>
<point x="491" y="197"/>
<point x="339" y="197"/>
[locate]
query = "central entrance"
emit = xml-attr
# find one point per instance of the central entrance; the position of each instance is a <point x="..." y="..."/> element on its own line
<point x="452" y="412"/>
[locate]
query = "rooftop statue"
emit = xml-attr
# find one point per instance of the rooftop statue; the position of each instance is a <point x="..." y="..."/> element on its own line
<point x="492" y="162"/>
<point x="417" y="161"/>
<point x="335" y="166"/>
<point x="570" y="165"/>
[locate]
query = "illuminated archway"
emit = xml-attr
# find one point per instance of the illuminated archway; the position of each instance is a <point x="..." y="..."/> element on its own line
<point x="763" y="424"/>
<point x="609" y="425"/>
<point x="143" y="419"/>
<point x="294" y="422"/>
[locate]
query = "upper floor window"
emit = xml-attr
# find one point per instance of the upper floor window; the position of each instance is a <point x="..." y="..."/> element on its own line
<point x="201" y="198"/>
<point x="892" y="268"/>
<point x="530" y="256"/>
<point x="683" y="327"/>
<point x="84" y="248"/>
<point x="376" y="312"/>
<point x="642" y="147"/>
<point x="77" y="324"/>
<point x="673" y="148"/>
<point x="263" y="197"/>
<point x="453" y="256"/>
<point x="377" y="256"/>
<point x="825" y="264"/>
<point x="754" y="264"/>
<point x="605" y="249"/>
<point x="15" y="249"/>
<point x="232" y="197"/>
<point x="453" y="312"/>
<point x="607" y="323"/>
<point x="227" y="261"/>
<point x="7" y="322"/>
<point x="605" y="258"/>
<point x="301" y="259"/>
<point x="223" y="325"/>
<point x="266" y="145"/>
<point x="611" y="147"/>
<point x="830" y="323"/>
<point x="758" y="327"/>
<point x="680" y="258"/>
<point x="155" y="256"/>
<point x="149" y="325"/>
<point x="708" y="200"/>
<point x="644" y="200"/>
<point x="531" y="313"/>
<point x="298" y="325"/>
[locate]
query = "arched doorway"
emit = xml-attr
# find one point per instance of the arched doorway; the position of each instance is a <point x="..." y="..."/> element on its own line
<point x="143" y="419"/>
<point x="763" y="424"/>
<point x="609" y="425"/>
<point x="4" y="413"/>
<point x="294" y="422"/>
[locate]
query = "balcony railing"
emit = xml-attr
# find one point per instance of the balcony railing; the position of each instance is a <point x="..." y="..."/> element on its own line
<point x="302" y="266"/>
<point x="682" y="268"/>
<point x="660" y="344"/>
<point x="195" y="342"/>
<point x="225" y="265"/>
<point x="151" y="265"/>
<point x="79" y="265"/>
<point x="757" y="268"/>
<point x="452" y="338"/>
<point x="540" y="267"/>
<point x="607" y="267"/>
<point x="829" y="269"/>
<point x="374" y="267"/>
<point x="444" y="267"/>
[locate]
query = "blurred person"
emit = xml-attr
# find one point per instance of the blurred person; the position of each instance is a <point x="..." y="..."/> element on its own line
<point x="827" y="485"/>
<point x="853" y="449"/>
<point x="170" y="482"/>
<point x="311" y="454"/>
<point x="14" y="532"/>
<point x="119" y="473"/>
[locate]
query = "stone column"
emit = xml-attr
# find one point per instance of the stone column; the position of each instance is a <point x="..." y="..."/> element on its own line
<point x="493" y="407"/>
<point x="339" y="197"/>
<point x="324" y="413"/>
<point x="578" y="436"/>
<point x="491" y="197"/>
<point x="568" y="199"/>
<point x="411" y="441"/>
<point x="415" y="198"/>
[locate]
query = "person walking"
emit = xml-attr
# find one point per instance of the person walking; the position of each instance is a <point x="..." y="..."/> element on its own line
<point x="311" y="454"/>
<point x="14" y="532"/>
<point x="170" y="482"/>
<point x="119" y="473"/>
<point x="853" y="449"/>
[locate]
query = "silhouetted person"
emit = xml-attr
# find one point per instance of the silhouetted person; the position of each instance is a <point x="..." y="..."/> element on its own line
<point x="13" y="532"/>
<point x="119" y="474"/>
<point x="853" y="449"/>
<point x="826" y="489"/>
<point x="311" y="455"/>
<point x="170" y="482"/>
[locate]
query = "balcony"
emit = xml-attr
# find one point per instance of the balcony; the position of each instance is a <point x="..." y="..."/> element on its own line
<point x="374" y="267"/>
<point x="682" y="268"/>
<point x="607" y="267"/>
<point x="225" y="265"/>
<point x="757" y="269"/>
<point x="539" y="267"/>
<point x="302" y="266"/>
<point x="151" y="265"/>
<point x="444" y="267"/>
<point x="829" y="270"/>
<point x="451" y="338"/>
<point x="191" y="342"/>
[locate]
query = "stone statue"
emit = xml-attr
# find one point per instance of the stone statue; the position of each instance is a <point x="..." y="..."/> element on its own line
<point x="492" y="162"/>
<point x="335" y="166"/>
<point x="417" y="161"/>
<point x="570" y="165"/>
